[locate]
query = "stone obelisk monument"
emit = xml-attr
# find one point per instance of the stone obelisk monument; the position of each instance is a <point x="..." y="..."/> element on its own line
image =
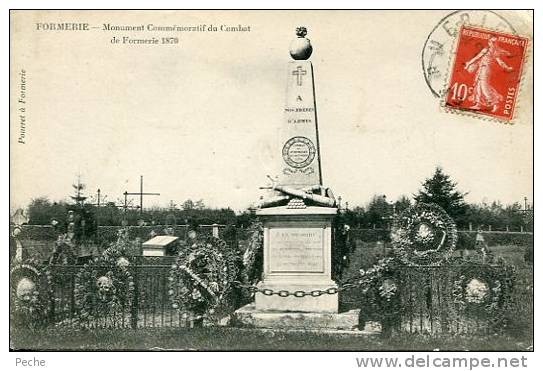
<point x="297" y="218"/>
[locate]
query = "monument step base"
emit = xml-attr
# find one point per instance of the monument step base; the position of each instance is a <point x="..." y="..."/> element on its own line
<point x="250" y="317"/>
<point x="324" y="303"/>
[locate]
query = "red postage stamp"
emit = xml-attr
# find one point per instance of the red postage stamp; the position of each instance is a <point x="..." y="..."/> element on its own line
<point x="486" y="73"/>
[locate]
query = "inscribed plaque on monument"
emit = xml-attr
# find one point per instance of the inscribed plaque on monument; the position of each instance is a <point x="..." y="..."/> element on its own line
<point x="296" y="250"/>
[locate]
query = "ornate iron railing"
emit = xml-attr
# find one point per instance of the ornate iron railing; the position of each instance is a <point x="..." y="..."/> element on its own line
<point x="425" y="300"/>
<point x="150" y="306"/>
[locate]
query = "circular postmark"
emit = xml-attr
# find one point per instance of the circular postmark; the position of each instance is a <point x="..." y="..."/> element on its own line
<point x="299" y="152"/>
<point x="437" y="49"/>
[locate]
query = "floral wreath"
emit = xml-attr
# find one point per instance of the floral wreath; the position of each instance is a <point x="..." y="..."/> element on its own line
<point x="380" y="288"/>
<point x="29" y="293"/>
<point x="424" y="234"/>
<point x="104" y="288"/>
<point x="483" y="291"/>
<point x="254" y="254"/>
<point x="200" y="281"/>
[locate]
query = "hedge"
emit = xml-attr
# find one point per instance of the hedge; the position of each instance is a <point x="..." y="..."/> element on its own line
<point x="370" y="235"/>
<point x="238" y="236"/>
<point x="466" y="239"/>
<point x="106" y="234"/>
<point x="38" y="232"/>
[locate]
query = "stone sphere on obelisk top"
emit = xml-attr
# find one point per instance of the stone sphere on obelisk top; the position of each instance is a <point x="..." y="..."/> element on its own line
<point x="300" y="47"/>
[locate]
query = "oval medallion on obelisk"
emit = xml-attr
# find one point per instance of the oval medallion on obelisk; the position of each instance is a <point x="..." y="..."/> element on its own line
<point x="299" y="152"/>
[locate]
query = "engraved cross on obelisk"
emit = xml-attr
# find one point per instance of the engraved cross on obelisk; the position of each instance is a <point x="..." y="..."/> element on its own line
<point x="299" y="73"/>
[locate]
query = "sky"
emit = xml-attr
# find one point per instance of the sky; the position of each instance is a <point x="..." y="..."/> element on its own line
<point x="200" y="119"/>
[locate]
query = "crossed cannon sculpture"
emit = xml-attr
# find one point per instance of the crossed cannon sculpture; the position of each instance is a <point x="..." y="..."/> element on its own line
<point x="316" y="194"/>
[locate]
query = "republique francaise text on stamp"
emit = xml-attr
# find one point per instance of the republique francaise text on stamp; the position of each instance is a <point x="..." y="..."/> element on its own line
<point x="486" y="73"/>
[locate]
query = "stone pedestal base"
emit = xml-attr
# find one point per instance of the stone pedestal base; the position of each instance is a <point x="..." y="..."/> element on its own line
<point x="249" y="316"/>
<point x="153" y="252"/>
<point x="325" y="303"/>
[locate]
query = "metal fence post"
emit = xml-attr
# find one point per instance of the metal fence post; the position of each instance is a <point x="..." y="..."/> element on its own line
<point x="52" y="300"/>
<point x="135" y="301"/>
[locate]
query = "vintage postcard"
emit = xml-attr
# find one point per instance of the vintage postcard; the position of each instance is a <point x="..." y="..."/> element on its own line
<point x="309" y="180"/>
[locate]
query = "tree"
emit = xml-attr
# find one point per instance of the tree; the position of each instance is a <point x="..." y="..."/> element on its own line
<point x="441" y="190"/>
<point x="109" y="214"/>
<point x="41" y="211"/>
<point x="188" y="205"/>
<point x="78" y="196"/>
<point x="495" y="214"/>
<point x="402" y="203"/>
<point x="199" y="205"/>
<point x="84" y="222"/>
<point x="354" y="217"/>
<point x="378" y="209"/>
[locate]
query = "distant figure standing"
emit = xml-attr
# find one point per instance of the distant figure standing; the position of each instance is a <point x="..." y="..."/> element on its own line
<point x="480" y="243"/>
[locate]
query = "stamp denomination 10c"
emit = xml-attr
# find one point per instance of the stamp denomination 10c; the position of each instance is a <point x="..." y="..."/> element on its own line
<point x="486" y="73"/>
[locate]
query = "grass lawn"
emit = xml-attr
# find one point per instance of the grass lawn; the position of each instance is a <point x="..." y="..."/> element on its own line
<point x="249" y="339"/>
